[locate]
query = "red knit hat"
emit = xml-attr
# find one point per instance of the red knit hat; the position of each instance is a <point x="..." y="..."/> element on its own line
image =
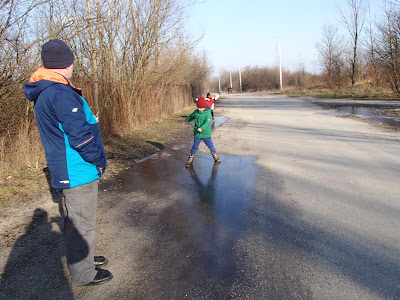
<point x="201" y="102"/>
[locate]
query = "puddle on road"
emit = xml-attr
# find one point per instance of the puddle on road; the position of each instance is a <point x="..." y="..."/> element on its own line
<point x="219" y="120"/>
<point x="223" y="190"/>
<point x="211" y="218"/>
<point x="220" y="191"/>
<point x="368" y="113"/>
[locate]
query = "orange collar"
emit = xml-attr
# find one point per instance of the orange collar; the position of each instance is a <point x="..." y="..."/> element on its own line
<point x="48" y="74"/>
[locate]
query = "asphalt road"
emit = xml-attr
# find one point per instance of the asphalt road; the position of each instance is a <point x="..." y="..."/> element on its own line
<point x="305" y="205"/>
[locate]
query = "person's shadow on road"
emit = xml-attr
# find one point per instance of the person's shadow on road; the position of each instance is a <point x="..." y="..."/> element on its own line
<point x="56" y="195"/>
<point x="35" y="268"/>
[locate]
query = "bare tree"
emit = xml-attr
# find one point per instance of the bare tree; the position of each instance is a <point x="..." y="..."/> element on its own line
<point x="353" y="19"/>
<point x="387" y="44"/>
<point x="372" y="67"/>
<point x="330" y="51"/>
<point x="15" y="49"/>
<point x="131" y="57"/>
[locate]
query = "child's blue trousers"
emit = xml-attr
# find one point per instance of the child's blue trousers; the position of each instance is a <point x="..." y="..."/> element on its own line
<point x="206" y="141"/>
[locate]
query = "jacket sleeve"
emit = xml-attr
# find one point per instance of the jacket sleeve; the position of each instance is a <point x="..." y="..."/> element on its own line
<point x="190" y="117"/>
<point x="82" y="137"/>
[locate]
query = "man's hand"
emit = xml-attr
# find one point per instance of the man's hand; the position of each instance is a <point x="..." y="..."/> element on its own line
<point x="199" y="129"/>
<point x="101" y="170"/>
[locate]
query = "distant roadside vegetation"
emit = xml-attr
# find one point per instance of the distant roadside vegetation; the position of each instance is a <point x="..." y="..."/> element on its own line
<point x="358" y="57"/>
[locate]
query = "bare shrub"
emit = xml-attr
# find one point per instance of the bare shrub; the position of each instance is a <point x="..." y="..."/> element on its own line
<point x="131" y="59"/>
<point x="353" y="18"/>
<point x="264" y="79"/>
<point x="387" y="45"/>
<point x="331" y="57"/>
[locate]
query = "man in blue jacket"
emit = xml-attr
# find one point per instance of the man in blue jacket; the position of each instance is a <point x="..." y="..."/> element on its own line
<point x="75" y="156"/>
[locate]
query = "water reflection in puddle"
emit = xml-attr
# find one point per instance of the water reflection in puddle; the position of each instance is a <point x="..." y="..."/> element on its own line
<point x="221" y="191"/>
<point x="211" y="215"/>
<point x="221" y="196"/>
<point x="219" y="120"/>
<point x="369" y="113"/>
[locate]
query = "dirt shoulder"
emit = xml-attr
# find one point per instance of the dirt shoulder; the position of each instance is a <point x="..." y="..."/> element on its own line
<point x="123" y="150"/>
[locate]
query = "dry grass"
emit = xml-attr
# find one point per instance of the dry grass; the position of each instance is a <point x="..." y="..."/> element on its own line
<point x="22" y="167"/>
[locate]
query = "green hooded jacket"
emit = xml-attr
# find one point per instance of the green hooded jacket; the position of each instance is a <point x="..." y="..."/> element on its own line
<point x="202" y="119"/>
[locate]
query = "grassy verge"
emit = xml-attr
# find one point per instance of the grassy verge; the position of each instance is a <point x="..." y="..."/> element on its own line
<point x="23" y="183"/>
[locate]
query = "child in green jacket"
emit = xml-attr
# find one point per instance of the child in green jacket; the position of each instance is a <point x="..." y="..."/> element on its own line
<point x="202" y="130"/>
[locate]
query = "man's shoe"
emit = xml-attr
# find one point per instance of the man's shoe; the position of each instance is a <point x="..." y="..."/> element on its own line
<point x="102" y="276"/>
<point x="100" y="261"/>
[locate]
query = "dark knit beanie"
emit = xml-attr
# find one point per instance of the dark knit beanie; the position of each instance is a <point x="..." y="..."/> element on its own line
<point x="201" y="102"/>
<point x="57" y="55"/>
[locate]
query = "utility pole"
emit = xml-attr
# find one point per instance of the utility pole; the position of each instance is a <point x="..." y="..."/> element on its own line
<point x="240" y="80"/>
<point x="219" y="82"/>
<point x="230" y="79"/>
<point x="280" y="60"/>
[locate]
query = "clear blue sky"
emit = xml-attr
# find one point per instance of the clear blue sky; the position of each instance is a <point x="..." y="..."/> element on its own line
<point x="238" y="33"/>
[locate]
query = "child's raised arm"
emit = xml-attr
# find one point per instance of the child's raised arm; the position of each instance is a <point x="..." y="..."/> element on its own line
<point x="190" y="117"/>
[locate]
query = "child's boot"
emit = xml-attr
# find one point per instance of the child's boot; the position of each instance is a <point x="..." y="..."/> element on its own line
<point x="190" y="161"/>
<point x="216" y="157"/>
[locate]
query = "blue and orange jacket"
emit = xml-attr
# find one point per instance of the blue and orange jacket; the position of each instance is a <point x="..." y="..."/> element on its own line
<point x="68" y="129"/>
